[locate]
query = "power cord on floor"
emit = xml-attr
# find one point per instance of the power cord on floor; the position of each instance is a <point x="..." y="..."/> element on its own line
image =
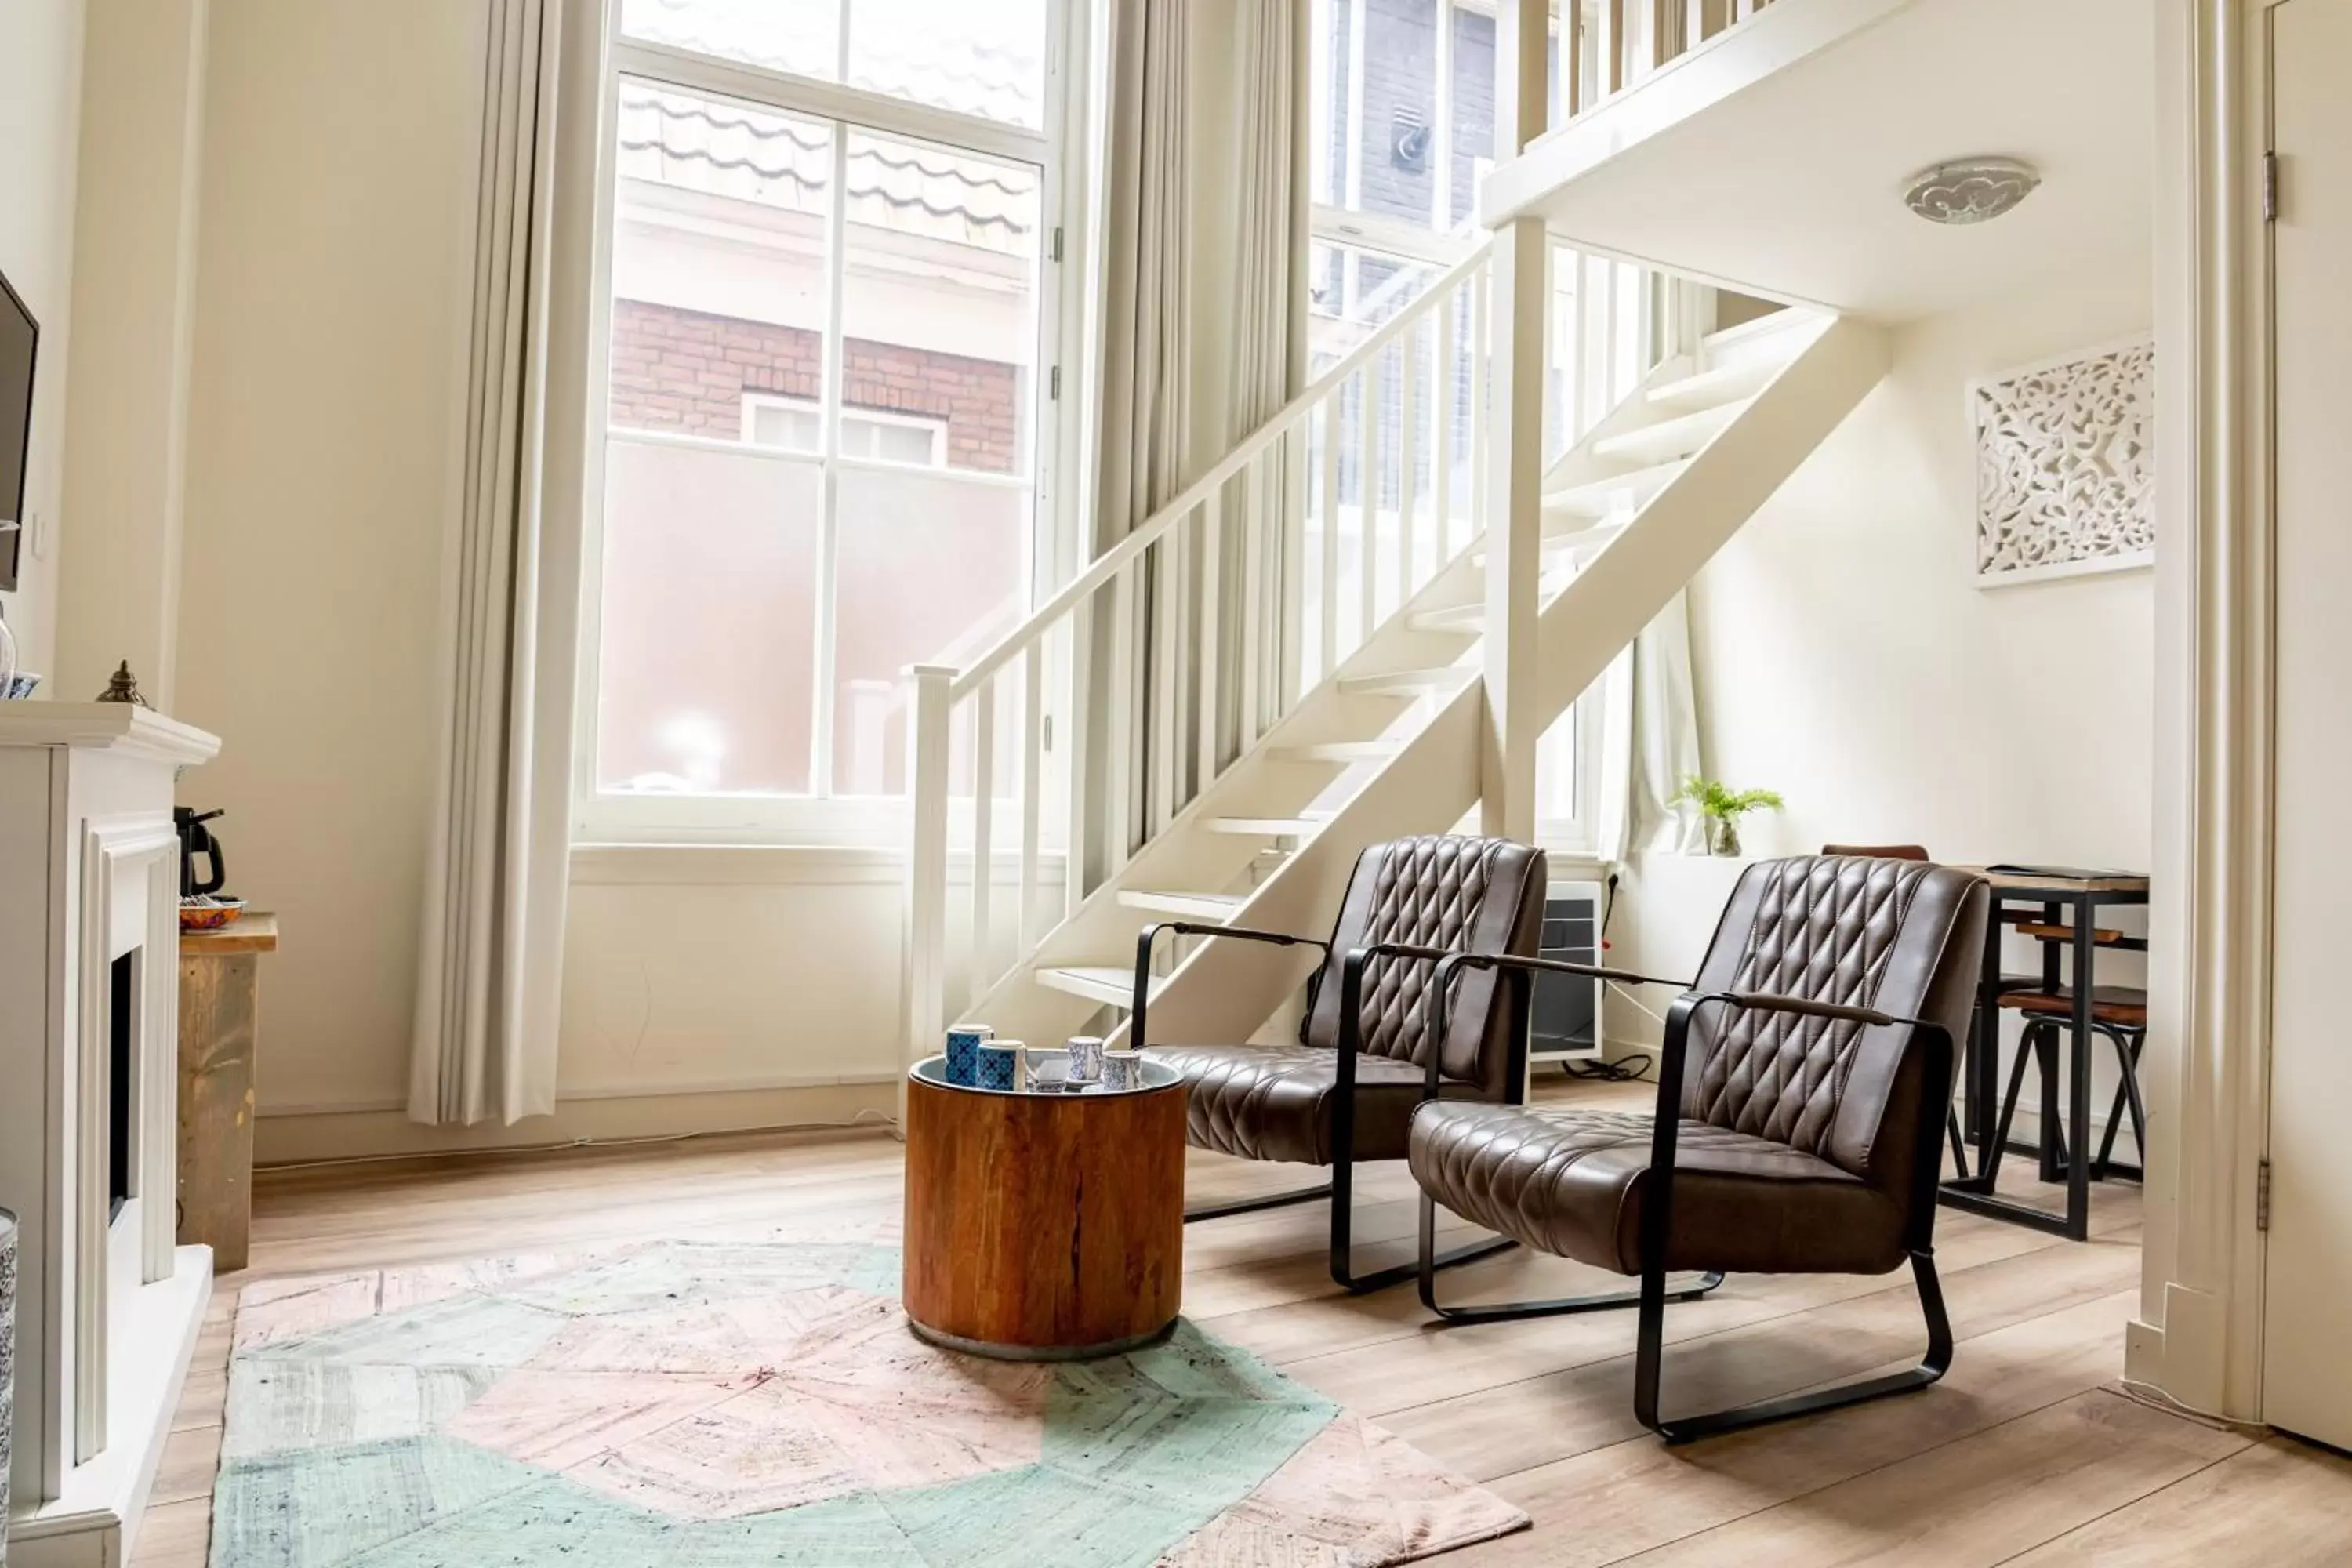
<point x="1624" y="1069"/>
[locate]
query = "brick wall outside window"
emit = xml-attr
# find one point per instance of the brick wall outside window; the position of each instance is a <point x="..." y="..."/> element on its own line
<point x="683" y="369"/>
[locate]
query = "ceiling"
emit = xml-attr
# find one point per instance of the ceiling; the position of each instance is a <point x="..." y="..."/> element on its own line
<point x="1788" y="183"/>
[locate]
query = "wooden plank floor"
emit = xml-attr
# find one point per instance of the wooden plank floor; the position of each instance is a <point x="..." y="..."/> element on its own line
<point x="2023" y="1454"/>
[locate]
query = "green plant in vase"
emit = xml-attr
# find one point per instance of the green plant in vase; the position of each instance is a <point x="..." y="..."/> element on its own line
<point x="1722" y="807"/>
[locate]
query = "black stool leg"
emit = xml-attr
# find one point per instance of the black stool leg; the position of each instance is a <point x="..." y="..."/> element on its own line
<point x="2026" y="1047"/>
<point x="2054" y="1153"/>
<point x="2128" y="1043"/>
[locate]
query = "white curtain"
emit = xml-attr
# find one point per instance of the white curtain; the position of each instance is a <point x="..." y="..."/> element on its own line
<point x="491" y="973"/>
<point x="1146" y="333"/>
<point x="1267" y="353"/>
<point x="1143" y="434"/>
<point x="1650" y="742"/>
<point x="1269" y="345"/>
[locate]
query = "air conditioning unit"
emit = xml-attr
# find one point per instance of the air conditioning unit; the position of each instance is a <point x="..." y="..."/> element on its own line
<point x="1565" y="1022"/>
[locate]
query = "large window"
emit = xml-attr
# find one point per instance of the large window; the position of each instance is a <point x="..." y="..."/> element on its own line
<point x="831" y="226"/>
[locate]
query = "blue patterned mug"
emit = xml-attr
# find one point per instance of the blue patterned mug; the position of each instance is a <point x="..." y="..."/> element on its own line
<point x="1000" y="1065"/>
<point x="963" y="1052"/>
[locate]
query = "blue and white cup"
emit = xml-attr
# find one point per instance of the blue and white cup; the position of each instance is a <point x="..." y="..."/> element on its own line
<point x="963" y="1052"/>
<point x="1000" y="1065"/>
<point x="1042" y="1070"/>
<point x="1122" y="1069"/>
<point x="1086" y="1060"/>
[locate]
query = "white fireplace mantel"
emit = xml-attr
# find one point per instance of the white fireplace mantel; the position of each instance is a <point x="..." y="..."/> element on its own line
<point x="107" y="1306"/>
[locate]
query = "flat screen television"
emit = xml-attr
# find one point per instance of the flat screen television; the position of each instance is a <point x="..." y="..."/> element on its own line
<point x="20" y="335"/>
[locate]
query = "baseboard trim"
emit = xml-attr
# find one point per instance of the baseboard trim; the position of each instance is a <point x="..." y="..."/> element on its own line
<point x="389" y="1134"/>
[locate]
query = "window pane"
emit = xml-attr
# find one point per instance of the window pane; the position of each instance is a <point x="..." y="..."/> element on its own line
<point x="718" y="267"/>
<point x="932" y="569"/>
<point x="710" y="595"/>
<point x="802" y="37"/>
<point x="793" y="426"/>
<point x="982" y="57"/>
<point x="1378" y="105"/>
<point x="1472" y="114"/>
<point x="1350" y="291"/>
<point x="985" y="58"/>
<point x="939" y="297"/>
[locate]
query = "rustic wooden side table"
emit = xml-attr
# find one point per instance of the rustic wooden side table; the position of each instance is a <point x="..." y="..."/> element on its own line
<point x="219" y="976"/>
<point x="1043" y="1226"/>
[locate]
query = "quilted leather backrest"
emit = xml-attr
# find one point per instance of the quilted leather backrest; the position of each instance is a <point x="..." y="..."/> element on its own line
<point x="1444" y="891"/>
<point x="1901" y="936"/>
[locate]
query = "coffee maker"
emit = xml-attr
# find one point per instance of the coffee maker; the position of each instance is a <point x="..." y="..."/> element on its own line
<point x="198" y="847"/>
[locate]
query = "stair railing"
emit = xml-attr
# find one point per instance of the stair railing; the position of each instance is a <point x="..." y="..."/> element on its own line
<point x="1615" y="43"/>
<point x="1284" y="555"/>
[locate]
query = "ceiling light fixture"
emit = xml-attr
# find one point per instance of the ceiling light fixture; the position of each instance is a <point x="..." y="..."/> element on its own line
<point x="1970" y="190"/>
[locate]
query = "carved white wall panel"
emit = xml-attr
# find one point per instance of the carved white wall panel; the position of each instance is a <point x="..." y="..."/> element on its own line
<point x="2065" y="483"/>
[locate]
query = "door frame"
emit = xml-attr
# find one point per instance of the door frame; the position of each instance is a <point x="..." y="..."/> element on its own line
<point x="2197" y="1336"/>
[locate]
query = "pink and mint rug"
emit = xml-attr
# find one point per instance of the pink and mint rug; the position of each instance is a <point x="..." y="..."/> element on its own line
<point x="721" y="1404"/>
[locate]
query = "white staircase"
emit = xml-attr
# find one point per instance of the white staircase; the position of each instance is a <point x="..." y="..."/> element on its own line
<point x="1286" y="664"/>
<point x="1379" y="741"/>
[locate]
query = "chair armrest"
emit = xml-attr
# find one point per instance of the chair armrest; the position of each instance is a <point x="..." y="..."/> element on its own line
<point x="1456" y="961"/>
<point x="1151" y="933"/>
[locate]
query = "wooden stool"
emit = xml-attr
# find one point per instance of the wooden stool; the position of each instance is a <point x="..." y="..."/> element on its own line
<point x="2118" y="1012"/>
<point x="219" y="977"/>
<point x="1043" y="1226"/>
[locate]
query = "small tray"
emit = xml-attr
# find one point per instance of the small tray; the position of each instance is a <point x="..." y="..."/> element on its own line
<point x="205" y="913"/>
<point x="933" y="1070"/>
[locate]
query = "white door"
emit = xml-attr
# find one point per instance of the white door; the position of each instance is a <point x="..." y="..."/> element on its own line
<point x="2307" y="1298"/>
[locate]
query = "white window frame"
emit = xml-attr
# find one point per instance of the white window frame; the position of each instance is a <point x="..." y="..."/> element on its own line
<point x="600" y="816"/>
<point x="935" y="426"/>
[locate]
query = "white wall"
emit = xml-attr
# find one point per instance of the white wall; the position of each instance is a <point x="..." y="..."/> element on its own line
<point x="134" y="287"/>
<point x="1844" y="658"/>
<point x="330" y="293"/>
<point x="40" y="104"/>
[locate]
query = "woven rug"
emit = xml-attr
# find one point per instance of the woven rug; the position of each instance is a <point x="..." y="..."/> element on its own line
<point x="720" y="1404"/>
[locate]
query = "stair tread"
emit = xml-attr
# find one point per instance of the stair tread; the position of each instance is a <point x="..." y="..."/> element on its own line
<point x="1713" y="388"/>
<point x="1679" y="436"/>
<point x="1112" y="982"/>
<point x="1758" y="329"/>
<point x="1583" y="533"/>
<point x="1342" y="751"/>
<point x="1211" y="906"/>
<point x="1268" y="827"/>
<point x="1402" y="680"/>
<point x="1601" y="498"/>
<point x="1468" y="618"/>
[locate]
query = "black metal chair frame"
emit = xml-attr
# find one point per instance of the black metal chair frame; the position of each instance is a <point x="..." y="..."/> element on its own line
<point x="1340" y="1188"/>
<point x="1652" y="1294"/>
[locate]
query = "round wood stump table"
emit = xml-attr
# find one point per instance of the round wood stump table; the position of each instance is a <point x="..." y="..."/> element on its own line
<point x="1045" y="1226"/>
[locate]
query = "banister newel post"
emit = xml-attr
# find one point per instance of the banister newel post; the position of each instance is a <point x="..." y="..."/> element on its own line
<point x="928" y="740"/>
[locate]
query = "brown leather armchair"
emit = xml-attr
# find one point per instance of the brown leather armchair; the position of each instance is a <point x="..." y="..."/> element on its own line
<point x="1373" y="1041"/>
<point x="1803" y="1091"/>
